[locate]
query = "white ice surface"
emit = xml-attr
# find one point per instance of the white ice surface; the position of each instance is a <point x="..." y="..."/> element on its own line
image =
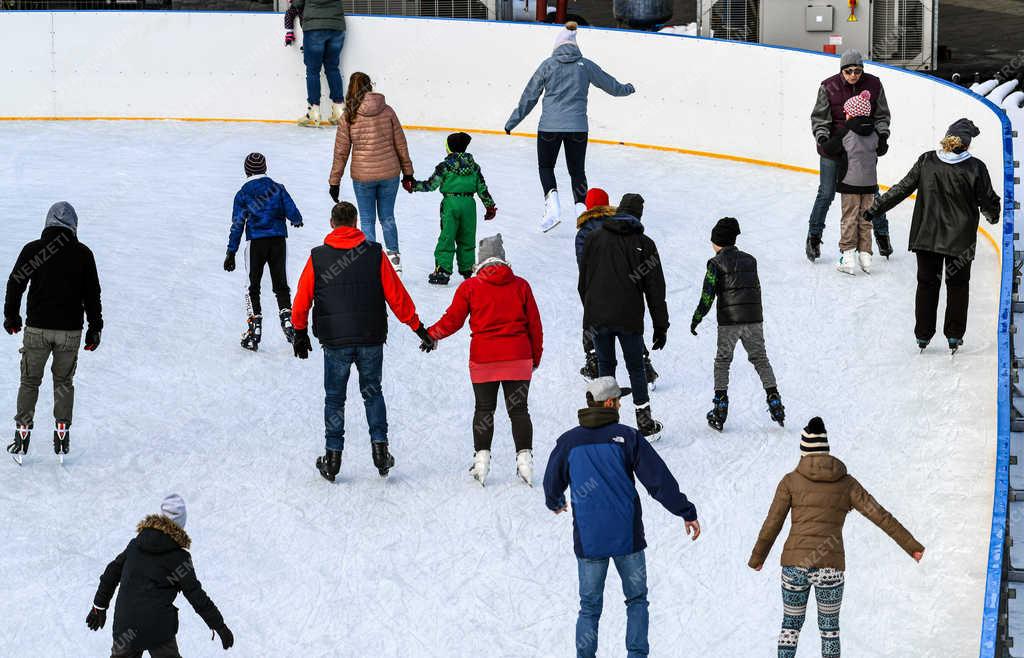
<point x="427" y="563"/>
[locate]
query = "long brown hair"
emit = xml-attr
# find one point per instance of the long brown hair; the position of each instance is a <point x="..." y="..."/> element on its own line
<point x="359" y="85"/>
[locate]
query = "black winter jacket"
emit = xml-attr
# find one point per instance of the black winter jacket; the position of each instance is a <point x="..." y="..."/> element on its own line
<point x="64" y="283"/>
<point x="738" y="287"/>
<point x="619" y="269"/>
<point x="949" y="197"/>
<point x="154" y="567"/>
<point x="349" y="304"/>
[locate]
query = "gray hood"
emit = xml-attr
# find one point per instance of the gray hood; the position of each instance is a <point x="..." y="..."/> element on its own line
<point x="567" y="53"/>
<point x="62" y="215"/>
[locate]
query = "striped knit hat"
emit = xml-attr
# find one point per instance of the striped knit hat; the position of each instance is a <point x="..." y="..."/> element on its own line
<point x="814" y="438"/>
<point x="255" y="164"/>
<point x="859" y="105"/>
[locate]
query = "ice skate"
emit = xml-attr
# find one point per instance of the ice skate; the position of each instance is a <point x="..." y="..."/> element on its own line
<point x="718" y="414"/>
<point x="252" y="335"/>
<point x="552" y="212"/>
<point x="481" y="466"/>
<point x="382" y="459"/>
<point x="864" y="260"/>
<point x="650" y="372"/>
<point x="61" y="440"/>
<point x="954" y="345"/>
<point x="439" y="277"/>
<point x="847" y="262"/>
<point x="776" y="409"/>
<point x="884" y="245"/>
<point x="337" y="112"/>
<point x="311" y="118"/>
<point x="19" y="447"/>
<point x="524" y="466"/>
<point x="396" y="261"/>
<point x="465" y="274"/>
<point x="922" y="344"/>
<point x="589" y="369"/>
<point x="650" y="428"/>
<point x="813" y="248"/>
<point x="329" y="464"/>
<point x="286" y="325"/>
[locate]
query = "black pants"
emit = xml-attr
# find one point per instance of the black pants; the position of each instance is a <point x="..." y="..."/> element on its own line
<point x="272" y="252"/>
<point x="168" y="649"/>
<point x="930" y="266"/>
<point x="548" y="146"/>
<point x="632" y="352"/>
<point x="588" y="344"/>
<point x="516" y="395"/>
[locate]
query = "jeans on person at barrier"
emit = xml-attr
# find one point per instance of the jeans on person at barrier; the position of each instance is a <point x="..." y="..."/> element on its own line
<point x="548" y="146"/>
<point x="369" y="362"/>
<point x="517" y="395"/>
<point x="826" y="194"/>
<point x="930" y="266"/>
<point x="37" y="347"/>
<point x="632" y="570"/>
<point x="632" y="353"/>
<point x="376" y="200"/>
<point x="168" y="649"/>
<point x="828" y="594"/>
<point x="322" y="49"/>
<point x="272" y="252"/>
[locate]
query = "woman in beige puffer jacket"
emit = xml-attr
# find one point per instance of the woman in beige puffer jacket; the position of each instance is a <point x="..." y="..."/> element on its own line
<point x="370" y="131"/>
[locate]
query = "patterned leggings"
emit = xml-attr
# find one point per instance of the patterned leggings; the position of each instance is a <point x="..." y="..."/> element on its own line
<point x="828" y="591"/>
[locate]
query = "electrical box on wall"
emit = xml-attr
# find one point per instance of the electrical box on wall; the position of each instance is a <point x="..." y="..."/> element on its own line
<point x="819" y="19"/>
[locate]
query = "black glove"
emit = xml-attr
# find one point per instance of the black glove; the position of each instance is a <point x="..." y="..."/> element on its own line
<point x="92" y="339"/>
<point x="407" y="182"/>
<point x="427" y="343"/>
<point x="693" y="327"/>
<point x="870" y="214"/>
<point x="12" y="325"/>
<point x="822" y="138"/>
<point x="991" y="218"/>
<point x="334" y="191"/>
<point x="883" y="145"/>
<point x="229" y="262"/>
<point x="659" y="340"/>
<point x="508" y="131"/>
<point x="302" y="346"/>
<point x="227" y="639"/>
<point x="96" y="619"/>
<point x="299" y="225"/>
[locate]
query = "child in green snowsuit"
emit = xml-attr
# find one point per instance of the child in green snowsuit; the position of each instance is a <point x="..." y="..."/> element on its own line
<point x="459" y="178"/>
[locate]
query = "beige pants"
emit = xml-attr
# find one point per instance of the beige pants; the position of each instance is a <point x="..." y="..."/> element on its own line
<point x="854" y="230"/>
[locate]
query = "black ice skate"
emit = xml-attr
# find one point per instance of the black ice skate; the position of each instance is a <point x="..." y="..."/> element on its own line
<point x="650" y="372"/>
<point x="252" y="335"/>
<point x="650" y="428"/>
<point x="775" y="408"/>
<point x="382" y="459"/>
<point x="813" y="247"/>
<point x="589" y="369"/>
<point x="439" y="277"/>
<point x="329" y="465"/>
<point x="19" y="447"/>
<point x="954" y="345"/>
<point x="61" y="440"/>
<point x="884" y="245"/>
<point x="286" y="325"/>
<point x="922" y="344"/>
<point x="717" y="416"/>
<point x="466" y="273"/>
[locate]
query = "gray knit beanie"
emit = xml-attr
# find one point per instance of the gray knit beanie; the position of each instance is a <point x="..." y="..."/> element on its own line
<point x="491" y="247"/>
<point x="173" y="508"/>
<point x="851" y="58"/>
<point x="62" y="215"/>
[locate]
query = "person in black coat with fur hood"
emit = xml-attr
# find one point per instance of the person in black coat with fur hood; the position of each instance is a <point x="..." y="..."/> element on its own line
<point x="151" y="571"/>
<point x="952" y="188"/>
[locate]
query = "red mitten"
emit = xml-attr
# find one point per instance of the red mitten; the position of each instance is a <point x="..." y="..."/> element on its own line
<point x="491" y="213"/>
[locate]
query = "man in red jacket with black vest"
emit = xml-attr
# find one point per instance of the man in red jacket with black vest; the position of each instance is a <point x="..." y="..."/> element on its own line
<point x="348" y="281"/>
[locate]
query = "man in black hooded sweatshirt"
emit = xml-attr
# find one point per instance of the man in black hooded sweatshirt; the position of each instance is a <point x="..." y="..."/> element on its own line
<point x="619" y="269"/>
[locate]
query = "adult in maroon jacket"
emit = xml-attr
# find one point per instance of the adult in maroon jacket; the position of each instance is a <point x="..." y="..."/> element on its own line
<point x="505" y="349"/>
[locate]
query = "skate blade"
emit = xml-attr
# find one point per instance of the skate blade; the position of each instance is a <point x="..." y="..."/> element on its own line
<point x="525" y="481"/>
<point x="17" y="459"/>
<point x="545" y="230"/>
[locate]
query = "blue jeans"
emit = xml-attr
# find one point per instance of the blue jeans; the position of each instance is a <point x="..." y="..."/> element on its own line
<point x="632" y="570"/>
<point x="826" y="193"/>
<point x="369" y="362"/>
<point x="322" y="49"/>
<point x="376" y="200"/>
<point x="632" y="352"/>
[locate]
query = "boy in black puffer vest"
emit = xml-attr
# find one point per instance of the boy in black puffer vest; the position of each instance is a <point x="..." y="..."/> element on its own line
<point x="732" y="277"/>
<point x="151" y="571"/>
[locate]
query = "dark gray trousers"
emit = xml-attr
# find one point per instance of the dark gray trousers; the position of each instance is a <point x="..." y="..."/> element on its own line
<point x="752" y="337"/>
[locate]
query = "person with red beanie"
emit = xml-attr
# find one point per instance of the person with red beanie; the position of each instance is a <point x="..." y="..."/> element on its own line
<point x="506" y="347"/>
<point x="598" y="210"/>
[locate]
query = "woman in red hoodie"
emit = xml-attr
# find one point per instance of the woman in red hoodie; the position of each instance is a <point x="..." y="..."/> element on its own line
<point x="505" y="349"/>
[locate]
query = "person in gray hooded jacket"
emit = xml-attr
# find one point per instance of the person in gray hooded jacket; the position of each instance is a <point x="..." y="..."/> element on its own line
<point x="564" y="80"/>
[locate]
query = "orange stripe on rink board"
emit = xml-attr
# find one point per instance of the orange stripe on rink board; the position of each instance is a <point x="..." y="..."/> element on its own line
<point x="480" y="131"/>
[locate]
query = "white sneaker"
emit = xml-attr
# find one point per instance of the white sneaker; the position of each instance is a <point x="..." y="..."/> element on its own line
<point x="552" y="212"/>
<point x="396" y="261"/>
<point x="847" y="262"/>
<point x="312" y="116"/>
<point x="337" y="112"/>
<point x="481" y="466"/>
<point x="524" y="466"/>
<point x="864" y="260"/>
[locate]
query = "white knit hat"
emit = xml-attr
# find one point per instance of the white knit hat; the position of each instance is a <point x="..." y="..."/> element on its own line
<point x="173" y="508"/>
<point x="566" y="35"/>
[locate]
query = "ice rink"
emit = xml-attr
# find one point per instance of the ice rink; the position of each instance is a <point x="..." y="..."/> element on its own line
<point x="427" y="563"/>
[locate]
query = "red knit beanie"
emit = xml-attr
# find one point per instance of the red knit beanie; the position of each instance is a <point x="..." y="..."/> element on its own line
<point x="596" y="197"/>
<point x="859" y="106"/>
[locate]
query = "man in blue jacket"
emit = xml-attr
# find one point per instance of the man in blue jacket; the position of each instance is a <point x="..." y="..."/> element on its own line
<point x="261" y="207"/>
<point x="598" y="461"/>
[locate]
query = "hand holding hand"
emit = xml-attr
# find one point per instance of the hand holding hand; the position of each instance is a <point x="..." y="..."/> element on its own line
<point x="491" y="213"/>
<point x="302" y="346"/>
<point x="407" y="183"/>
<point x="427" y="344"/>
<point x="96" y="619"/>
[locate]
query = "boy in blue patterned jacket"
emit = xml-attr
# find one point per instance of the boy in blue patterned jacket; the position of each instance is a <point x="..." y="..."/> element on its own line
<point x="262" y="207"/>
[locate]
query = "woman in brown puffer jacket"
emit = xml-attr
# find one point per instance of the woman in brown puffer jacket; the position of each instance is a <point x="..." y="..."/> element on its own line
<point x="820" y="494"/>
<point x="370" y="130"/>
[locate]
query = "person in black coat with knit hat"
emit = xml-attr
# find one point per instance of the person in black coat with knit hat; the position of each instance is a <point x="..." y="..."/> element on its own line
<point x="731" y="277"/>
<point x="151" y="571"/>
<point x="953" y="186"/>
<point x="620" y="268"/>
